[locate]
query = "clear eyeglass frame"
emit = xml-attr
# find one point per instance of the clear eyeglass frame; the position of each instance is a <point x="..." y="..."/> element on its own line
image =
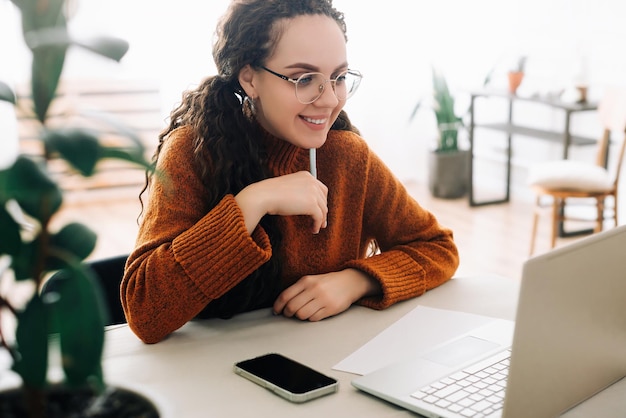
<point x="311" y="86"/>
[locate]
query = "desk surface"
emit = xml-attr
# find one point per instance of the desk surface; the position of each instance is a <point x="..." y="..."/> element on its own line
<point x="191" y="371"/>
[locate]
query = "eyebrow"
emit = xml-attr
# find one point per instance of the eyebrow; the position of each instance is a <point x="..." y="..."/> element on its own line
<point x="313" y="68"/>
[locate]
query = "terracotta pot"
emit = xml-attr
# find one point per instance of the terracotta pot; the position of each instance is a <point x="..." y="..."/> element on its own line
<point x="582" y="93"/>
<point x="515" y="79"/>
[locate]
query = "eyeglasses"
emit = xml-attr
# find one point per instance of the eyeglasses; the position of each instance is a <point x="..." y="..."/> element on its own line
<point x="310" y="86"/>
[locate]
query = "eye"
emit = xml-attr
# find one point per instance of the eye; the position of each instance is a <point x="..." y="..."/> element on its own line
<point x="305" y="79"/>
<point x="341" y="78"/>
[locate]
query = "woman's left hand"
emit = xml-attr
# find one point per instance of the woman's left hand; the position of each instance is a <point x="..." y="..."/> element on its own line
<point x="320" y="296"/>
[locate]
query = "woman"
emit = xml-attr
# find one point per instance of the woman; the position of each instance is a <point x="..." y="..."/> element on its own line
<point x="236" y="222"/>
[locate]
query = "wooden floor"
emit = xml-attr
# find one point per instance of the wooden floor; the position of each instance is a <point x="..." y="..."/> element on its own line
<point x="492" y="239"/>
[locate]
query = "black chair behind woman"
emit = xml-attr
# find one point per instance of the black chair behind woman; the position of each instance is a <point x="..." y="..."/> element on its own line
<point x="109" y="273"/>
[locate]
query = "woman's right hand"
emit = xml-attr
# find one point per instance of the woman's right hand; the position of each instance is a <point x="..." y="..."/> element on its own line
<point x="292" y="194"/>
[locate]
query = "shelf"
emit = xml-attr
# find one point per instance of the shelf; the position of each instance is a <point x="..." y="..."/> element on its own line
<point x="553" y="102"/>
<point x="564" y="138"/>
<point x="556" y="137"/>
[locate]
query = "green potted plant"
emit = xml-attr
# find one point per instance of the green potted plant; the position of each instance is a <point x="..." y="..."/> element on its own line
<point x="72" y="317"/>
<point x="448" y="164"/>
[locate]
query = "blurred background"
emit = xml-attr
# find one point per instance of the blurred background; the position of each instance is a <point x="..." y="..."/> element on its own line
<point x="393" y="43"/>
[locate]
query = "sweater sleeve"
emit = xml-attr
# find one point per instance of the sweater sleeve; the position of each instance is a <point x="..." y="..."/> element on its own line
<point x="186" y="254"/>
<point x="416" y="252"/>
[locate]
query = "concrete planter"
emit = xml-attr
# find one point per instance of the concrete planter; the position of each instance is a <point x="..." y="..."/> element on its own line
<point x="448" y="173"/>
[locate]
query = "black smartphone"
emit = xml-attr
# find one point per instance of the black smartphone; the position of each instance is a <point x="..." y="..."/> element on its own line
<point x="286" y="377"/>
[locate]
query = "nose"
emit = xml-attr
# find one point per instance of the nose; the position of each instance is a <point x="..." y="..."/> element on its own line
<point x="328" y="97"/>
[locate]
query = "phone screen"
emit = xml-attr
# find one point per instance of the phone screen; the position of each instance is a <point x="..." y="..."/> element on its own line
<point x="286" y="373"/>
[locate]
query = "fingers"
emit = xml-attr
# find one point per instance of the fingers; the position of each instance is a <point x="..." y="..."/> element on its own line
<point x="311" y="298"/>
<point x="318" y="205"/>
<point x="320" y="217"/>
<point x="297" y="301"/>
<point x="303" y="309"/>
<point x="297" y="194"/>
<point x="286" y="297"/>
<point x="316" y="297"/>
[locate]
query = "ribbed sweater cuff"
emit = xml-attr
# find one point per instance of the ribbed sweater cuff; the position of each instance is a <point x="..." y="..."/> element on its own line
<point x="394" y="271"/>
<point x="217" y="252"/>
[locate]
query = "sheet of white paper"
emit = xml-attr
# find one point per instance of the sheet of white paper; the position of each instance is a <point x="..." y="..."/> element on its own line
<point x="416" y="332"/>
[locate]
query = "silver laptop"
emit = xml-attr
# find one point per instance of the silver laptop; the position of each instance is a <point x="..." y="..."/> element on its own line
<point x="569" y="343"/>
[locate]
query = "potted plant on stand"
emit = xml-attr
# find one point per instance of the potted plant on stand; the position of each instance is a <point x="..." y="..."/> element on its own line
<point x="516" y="74"/>
<point x="70" y="322"/>
<point x="448" y="165"/>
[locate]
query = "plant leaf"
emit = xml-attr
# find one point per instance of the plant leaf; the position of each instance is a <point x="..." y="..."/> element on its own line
<point x="133" y="156"/>
<point x="46" y="72"/>
<point x="68" y="272"/>
<point x="56" y="36"/>
<point x="32" y="344"/>
<point x="10" y="233"/>
<point x="38" y="14"/>
<point x="106" y="46"/>
<point x="72" y="244"/>
<point x="78" y="313"/>
<point x="37" y="194"/>
<point x="23" y="263"/>
<point x="5" y="191"/>
<point x="120" y="128"/>
<point x="6" y="93"/>
<point x="47" y="61"/>
<point x="415" y="110"/>
<point x="447" y="120"/>
<point x="79" y="147"/>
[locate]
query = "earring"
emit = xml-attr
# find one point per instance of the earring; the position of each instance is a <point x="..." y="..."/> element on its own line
<point x="248" y="107"/>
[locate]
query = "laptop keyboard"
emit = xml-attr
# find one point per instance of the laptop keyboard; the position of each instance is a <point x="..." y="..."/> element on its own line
<point x="477" y="391"/>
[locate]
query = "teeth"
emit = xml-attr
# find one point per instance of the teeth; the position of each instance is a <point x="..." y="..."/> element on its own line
<point x="315" y="121"/>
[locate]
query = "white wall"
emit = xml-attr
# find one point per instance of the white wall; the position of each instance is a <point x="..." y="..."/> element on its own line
<point x="394" y="43"/>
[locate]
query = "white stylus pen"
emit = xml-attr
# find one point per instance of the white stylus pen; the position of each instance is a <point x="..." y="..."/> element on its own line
<point x="313" y="162"/>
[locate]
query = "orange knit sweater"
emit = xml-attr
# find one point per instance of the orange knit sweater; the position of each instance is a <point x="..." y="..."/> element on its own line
<point x="188" y="254"/>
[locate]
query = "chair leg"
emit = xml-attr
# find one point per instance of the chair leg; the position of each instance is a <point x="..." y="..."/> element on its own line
<point x="615" y="210"/>
<point x="600" y="214"/>
<point x="533" y="234"/>
<point x="557" y="204"/>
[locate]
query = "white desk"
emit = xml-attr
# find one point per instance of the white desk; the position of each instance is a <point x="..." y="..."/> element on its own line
<point x="192" y="373"/>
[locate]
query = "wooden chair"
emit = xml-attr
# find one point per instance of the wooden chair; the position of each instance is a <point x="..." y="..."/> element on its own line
<point x="570" y="180"/>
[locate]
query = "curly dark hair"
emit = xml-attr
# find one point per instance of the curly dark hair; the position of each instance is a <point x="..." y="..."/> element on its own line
<point x="227" y="141"/>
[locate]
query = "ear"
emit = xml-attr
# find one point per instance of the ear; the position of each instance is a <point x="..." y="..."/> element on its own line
<point x="247" y="80"/>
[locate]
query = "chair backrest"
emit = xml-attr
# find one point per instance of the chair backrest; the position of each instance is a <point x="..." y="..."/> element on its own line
<point x="612" y="114"/>
<point x="108" y="272"/>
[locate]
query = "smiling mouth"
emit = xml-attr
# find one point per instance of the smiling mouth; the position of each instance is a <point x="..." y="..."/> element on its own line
<point x="314" y="121"/>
